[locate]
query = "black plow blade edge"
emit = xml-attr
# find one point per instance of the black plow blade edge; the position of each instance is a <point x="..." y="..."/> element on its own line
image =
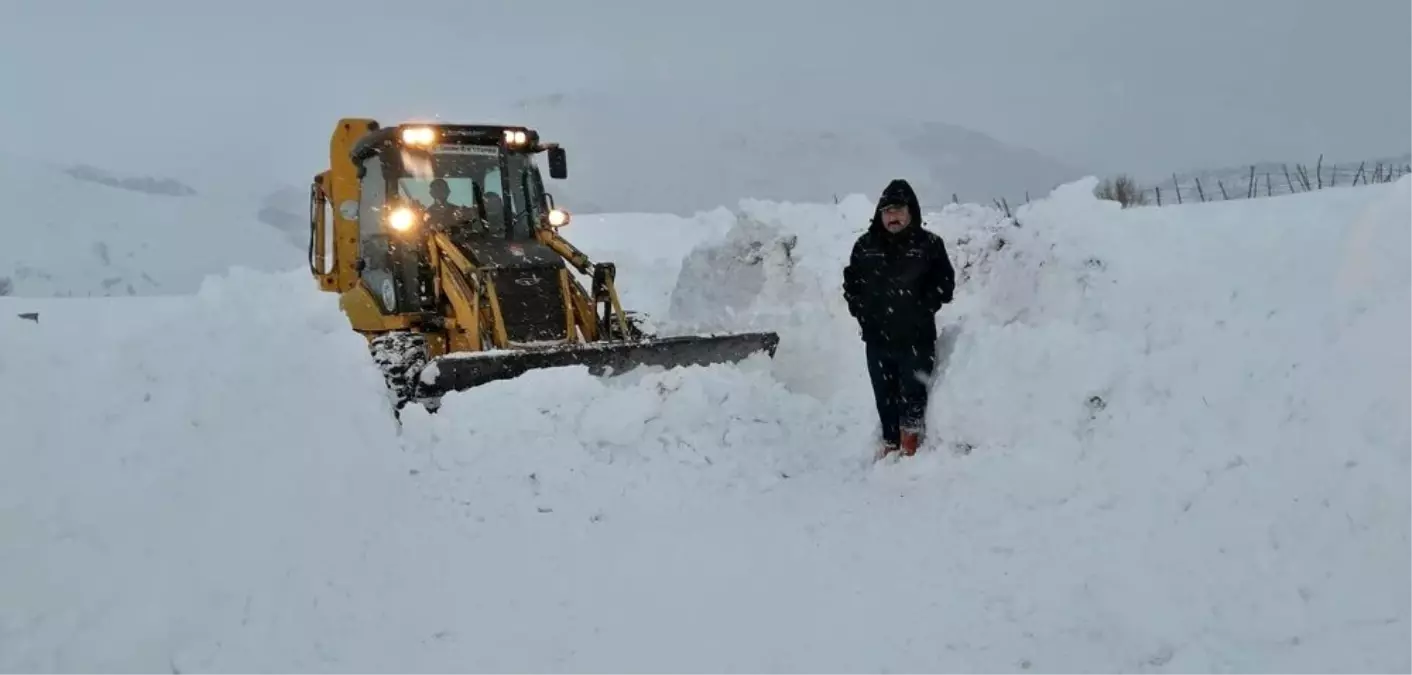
<point x="463" y="371"/>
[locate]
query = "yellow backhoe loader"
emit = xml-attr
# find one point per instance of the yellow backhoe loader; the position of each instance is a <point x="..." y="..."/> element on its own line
<point x="443" y="246"/>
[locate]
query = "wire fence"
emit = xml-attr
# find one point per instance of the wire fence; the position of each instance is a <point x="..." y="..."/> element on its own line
<point x="1270" y="181"/>
<point x="1256" y="180"/>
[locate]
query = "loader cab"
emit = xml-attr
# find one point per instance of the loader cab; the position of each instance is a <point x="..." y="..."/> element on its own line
<point x="476" y="183"/>
<point x="492" y="194"/>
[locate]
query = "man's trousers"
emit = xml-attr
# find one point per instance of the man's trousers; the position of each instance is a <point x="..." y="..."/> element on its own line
<point x="901" y="375"/>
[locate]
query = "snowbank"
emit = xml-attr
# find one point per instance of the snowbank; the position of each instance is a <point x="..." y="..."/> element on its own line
<point x="1168" y="439"/>
<point x="67" y="233"/>
<point x="188" y="479"/>
<point x="648" y="249"/>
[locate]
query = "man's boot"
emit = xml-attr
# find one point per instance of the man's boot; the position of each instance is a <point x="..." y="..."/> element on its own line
<point x="911" y="440"/>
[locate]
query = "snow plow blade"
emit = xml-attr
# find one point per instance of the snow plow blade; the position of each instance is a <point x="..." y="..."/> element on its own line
<point x="466" y="370"/>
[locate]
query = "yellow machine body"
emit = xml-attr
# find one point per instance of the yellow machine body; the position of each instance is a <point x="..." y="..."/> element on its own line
<point x="456" y="291"/>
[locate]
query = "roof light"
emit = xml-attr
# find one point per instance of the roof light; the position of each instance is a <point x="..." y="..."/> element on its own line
<point x="515" y="137"/>
<point x="419" y="135"/>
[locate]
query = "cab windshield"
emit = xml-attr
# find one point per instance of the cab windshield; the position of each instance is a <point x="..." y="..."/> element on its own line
<point x="464" y="167"/>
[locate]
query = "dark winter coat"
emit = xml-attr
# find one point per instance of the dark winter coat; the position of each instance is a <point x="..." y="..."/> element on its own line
<point x="896" y="283"/>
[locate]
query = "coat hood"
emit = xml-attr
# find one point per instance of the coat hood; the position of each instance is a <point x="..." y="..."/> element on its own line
<point x="899" y="191"/>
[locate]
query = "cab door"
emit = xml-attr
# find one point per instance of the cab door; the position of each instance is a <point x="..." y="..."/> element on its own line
<point x="375" y="266"/>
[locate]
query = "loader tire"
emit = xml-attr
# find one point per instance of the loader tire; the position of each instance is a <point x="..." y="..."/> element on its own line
<point x="401" y="356"/>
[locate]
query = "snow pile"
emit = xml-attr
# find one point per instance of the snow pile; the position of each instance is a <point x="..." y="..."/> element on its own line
<point x="213" y="477"/>
<point x="1165" y="439"/>
<point x="1215" y="397"/>
<point x="648" y="250"/>
<point x="780" y="267"/>
<point x="650" y="439"/>
<point x="84" y="232"/>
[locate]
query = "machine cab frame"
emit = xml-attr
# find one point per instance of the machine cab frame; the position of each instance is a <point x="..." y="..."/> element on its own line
<point x="386" y="207"/>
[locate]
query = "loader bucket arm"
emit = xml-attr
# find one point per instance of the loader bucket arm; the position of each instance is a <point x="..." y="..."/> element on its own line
<point x="472" y="297"/>
<point x="605" y="342"/>
<point x="605" y="292"/>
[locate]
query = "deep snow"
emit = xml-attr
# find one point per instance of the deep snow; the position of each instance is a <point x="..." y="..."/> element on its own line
<point x="1169" y="439"/>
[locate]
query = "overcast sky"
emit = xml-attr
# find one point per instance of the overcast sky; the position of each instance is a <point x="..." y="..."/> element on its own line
<point x="1137" y="85"/>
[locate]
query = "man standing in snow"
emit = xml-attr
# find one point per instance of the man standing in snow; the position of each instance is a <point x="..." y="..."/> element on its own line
<point x="896" y="280"/>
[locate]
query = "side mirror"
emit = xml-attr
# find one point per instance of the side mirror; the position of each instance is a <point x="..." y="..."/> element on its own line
<point x="558" y="163"/>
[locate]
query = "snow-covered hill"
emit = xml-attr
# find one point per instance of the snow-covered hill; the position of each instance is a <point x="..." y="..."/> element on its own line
<point x="87" y="231"/>
<point x="682" y="150"/>
<point x="1168" y="439"/>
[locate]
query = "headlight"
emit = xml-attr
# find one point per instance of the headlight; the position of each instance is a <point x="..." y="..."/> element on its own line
<point x="402" y="219"/>
<point x="558" y="217"/>
<point x="515" y="137"/>
<point x="418" y="135"/>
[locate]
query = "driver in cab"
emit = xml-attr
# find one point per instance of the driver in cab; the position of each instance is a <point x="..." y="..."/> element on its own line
<point x="463" y="220"/>
<point x="442" y="213"/>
